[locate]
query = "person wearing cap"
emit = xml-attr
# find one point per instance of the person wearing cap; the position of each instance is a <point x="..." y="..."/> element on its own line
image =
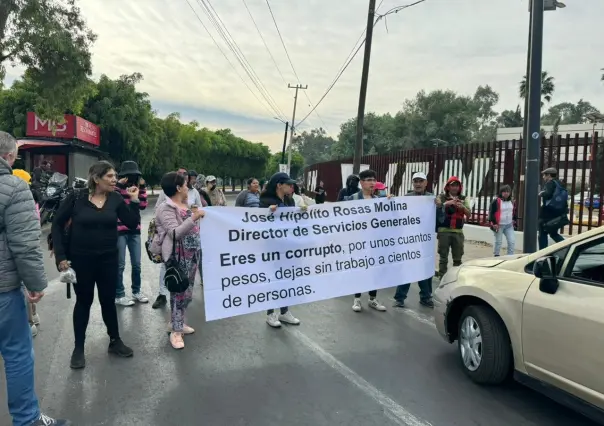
<point x="34" y="318"/>
<point x="552" y="215"/>
<point x="130" y="239"/>
<point x="380" y="190"/>
<point x="455" y="208"/>
<point x="216" y="195"/>
<point x="420" y="181"/>
<point x="368" y="179"/>
<point x="276" y="195"/>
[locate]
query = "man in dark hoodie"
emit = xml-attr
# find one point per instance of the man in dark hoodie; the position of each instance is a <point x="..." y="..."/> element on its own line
<point x="352" y="187"/>
<point x="554" y="208"/>
<point x="456" y="207"/>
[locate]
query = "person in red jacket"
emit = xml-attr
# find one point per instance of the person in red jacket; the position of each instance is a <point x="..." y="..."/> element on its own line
<point x="502" y="217"/>
<point x="130" y="238"/>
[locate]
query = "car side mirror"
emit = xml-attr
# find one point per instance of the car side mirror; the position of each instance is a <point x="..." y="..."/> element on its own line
<point x="545" y="269"/>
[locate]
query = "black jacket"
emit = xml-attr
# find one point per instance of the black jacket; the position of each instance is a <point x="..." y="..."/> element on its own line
<point x="267" y="200"/>
<point x="546" y="213"/>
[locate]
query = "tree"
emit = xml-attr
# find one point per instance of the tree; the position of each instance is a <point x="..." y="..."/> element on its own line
<point x="314" y="146"/>
<point x="130" y="130"/>
<point x="272" y="167"/>
<point x="51" y="40"/>
<point x="547" y="87"/>
<point x="569" y="113"/>
<point x="510" y="118"/>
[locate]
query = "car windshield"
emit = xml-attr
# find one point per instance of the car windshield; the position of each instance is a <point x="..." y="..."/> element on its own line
<point x="58" y="179"/>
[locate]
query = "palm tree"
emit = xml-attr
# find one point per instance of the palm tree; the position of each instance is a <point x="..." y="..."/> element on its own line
<point x="547" y="87"/>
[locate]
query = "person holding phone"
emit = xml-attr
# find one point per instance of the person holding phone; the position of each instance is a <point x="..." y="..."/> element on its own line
<point x="91" y="215"/>
<point x="178" y="230"/>
<point x="130" y="239"/>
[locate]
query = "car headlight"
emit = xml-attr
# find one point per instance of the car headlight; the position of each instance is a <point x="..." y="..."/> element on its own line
<point x="50" y="191"/>
<point x="450" y="276"/>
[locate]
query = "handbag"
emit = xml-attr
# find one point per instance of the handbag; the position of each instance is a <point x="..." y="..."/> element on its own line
<point x="176" y="280"/>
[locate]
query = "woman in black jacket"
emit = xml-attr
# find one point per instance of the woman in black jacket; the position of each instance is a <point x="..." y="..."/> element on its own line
<point x="91" y="250"/>
<point x="277" y="194"/>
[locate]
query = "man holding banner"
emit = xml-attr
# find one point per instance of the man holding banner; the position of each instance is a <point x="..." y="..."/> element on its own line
<point x="368" y="179"/>
<point x="282" y="256"/>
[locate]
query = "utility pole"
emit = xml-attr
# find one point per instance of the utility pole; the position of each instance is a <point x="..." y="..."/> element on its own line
<point x="358" y="149"/>
<point x="533" y="141"/>
<point x="291" y="136"/>
<point x="284" y="142"/>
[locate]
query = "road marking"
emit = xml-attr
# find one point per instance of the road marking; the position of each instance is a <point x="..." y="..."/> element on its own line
<point x="423" y="318"/>
<point x="393" y="411"/>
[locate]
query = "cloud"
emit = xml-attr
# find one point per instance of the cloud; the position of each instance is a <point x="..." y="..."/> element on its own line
<point x="439" y="44"/>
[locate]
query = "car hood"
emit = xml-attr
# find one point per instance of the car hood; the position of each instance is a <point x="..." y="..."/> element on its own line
<point x="491" y="262"/>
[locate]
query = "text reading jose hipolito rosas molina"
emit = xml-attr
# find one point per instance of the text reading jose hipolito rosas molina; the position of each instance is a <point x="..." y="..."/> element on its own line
<point x="255" y="260"/>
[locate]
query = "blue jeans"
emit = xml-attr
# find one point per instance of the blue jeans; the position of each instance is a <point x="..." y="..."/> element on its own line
<point x="133" y="243"/>
<point x="425" y="290"/>
<point x="510" y="237"/>
<point x="16" y="348"/>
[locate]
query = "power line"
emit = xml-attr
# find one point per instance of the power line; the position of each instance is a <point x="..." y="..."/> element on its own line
<point x="227" y="58"/>
<point x="292" y="65"/>
<point x="239" y="55"/>
<point x="350" y="58"/>
<point x="263" y="41"/>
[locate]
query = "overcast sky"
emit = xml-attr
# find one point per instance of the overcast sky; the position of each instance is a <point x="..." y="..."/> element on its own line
<point x="439" y="44"/>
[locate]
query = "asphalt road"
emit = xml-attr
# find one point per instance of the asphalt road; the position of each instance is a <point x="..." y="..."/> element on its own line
<point x="337" y="368"/>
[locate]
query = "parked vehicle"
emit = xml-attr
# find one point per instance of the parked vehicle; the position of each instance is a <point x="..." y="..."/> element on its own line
<point x="537" y="317"/>
<point x="55" y="192"/>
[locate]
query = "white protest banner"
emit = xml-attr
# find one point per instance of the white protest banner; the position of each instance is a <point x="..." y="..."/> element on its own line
<point x="254" y="260"/>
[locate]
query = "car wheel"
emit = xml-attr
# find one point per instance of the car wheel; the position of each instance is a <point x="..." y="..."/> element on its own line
<point x="484" y="347"/>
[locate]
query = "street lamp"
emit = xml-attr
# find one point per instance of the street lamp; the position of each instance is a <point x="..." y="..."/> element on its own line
<point x="532" y="119"/>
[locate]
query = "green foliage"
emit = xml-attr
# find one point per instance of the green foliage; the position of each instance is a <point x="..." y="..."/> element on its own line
<point x="569" y="113"/>
<point x="272" y="167"/>
<point x="314" y="146"/>
<point x="130" y="130"/>
<point x="510" y="118"/>
<point x="547" y="87"/>
<point x="438" y="115"/>
<point x="51" y="40"/>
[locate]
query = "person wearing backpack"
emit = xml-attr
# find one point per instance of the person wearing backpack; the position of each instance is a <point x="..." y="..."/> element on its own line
<point x="553" y="215"/>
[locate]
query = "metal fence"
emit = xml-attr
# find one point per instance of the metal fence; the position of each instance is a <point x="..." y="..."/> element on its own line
<point x="483" y="168"/>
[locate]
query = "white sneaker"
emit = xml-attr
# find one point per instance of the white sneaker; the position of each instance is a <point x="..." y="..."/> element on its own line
<point x="140" y="298"/>
<point x="375" y="304"/>
<point x="124" y="301"/>
<point x="356" y="305"/>
<point x="34" y="330"/>
<point x="288" y="318"/>
<point x="36" y="319"/>
<point x="273" y="321"/>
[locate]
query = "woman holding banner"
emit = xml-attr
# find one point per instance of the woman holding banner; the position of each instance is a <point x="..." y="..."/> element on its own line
<point x="277" y="194"/>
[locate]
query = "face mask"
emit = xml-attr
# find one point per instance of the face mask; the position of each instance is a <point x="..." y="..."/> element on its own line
<point x="382" y="192"/>
<point x="212" y="187"/>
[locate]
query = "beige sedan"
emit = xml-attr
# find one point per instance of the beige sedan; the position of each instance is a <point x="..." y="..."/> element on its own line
<point x="538" y="317"/>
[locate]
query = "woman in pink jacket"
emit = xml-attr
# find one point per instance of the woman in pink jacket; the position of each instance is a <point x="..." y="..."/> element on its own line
<point x="174" y="217"/>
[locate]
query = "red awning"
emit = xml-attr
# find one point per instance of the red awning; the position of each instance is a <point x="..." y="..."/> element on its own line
<point x="34" y="143"/>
